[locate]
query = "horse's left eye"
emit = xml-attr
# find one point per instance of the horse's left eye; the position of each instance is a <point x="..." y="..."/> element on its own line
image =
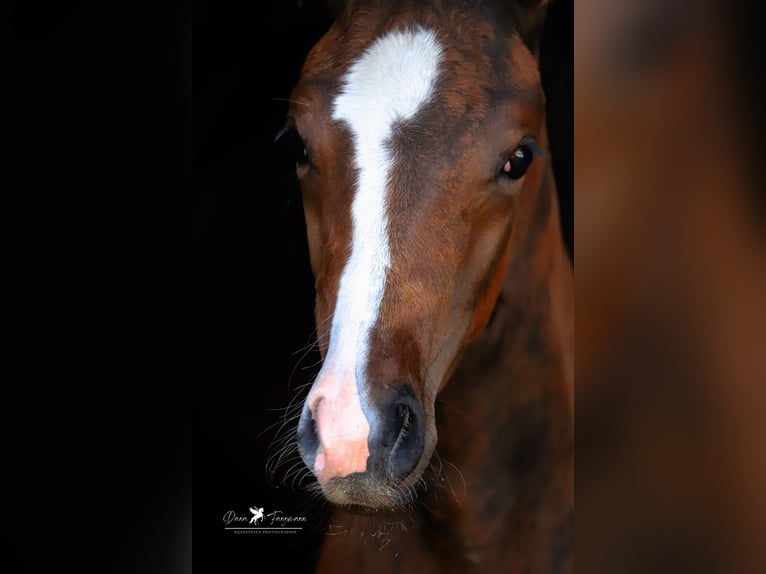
<point x="516" y="166"/>
<point x="291" y="140"/>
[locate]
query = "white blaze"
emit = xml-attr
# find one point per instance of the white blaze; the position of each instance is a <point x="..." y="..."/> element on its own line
<point x="389" y="83"/>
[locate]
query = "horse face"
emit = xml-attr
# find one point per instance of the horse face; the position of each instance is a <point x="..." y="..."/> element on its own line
<point x="416" y="151"/>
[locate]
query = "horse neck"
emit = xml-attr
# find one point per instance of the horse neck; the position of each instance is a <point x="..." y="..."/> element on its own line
<point x="505" y="417"/>
<point x="527" y="348"/>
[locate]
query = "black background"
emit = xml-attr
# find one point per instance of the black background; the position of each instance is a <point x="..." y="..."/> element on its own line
<point x="157" y="277"/>
<point x="97" y="390"/>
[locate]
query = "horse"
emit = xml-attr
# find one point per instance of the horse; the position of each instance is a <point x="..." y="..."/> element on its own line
<point x="440" y="425"/>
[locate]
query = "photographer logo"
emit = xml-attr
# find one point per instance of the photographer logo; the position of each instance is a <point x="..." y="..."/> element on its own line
<point x="262" y="522"/>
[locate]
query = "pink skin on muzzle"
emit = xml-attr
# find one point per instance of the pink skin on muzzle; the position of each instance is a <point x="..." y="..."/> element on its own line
<point x="341" y="425"/>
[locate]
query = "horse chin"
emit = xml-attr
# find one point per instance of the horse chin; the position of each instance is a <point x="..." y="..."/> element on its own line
<point x="367" y="510"/>
<point x="361" y="493"/>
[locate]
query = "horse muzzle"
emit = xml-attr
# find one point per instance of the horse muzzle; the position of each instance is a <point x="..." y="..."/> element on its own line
<point x="362" y="451"/>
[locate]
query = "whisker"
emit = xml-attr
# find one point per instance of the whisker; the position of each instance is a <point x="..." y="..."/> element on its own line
<point x="291" y="101"/>
<point x="465" y="485"/>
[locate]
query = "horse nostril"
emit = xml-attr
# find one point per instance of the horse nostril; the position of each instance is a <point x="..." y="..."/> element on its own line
<point x="404" y="414"/>
<point x="308" y="437"/>
<point x="408" y="445"/>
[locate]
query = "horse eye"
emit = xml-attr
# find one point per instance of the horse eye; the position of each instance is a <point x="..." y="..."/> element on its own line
<point x="516" y="166"/>
<point x="289" y="138"/>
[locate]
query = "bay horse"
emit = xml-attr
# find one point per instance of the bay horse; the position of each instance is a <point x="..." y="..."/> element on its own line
<point x="440" y="424"/>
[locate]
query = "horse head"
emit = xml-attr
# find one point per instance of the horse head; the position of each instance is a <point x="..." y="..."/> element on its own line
<point x="420" y="145"/>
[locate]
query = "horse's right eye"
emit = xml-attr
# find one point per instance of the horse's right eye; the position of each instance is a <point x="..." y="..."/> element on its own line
<point x="517" y="164"/>
<point x="294" y="145"/>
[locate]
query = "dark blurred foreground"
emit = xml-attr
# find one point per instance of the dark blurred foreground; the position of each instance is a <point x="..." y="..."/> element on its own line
<point x="671" y="288"/>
